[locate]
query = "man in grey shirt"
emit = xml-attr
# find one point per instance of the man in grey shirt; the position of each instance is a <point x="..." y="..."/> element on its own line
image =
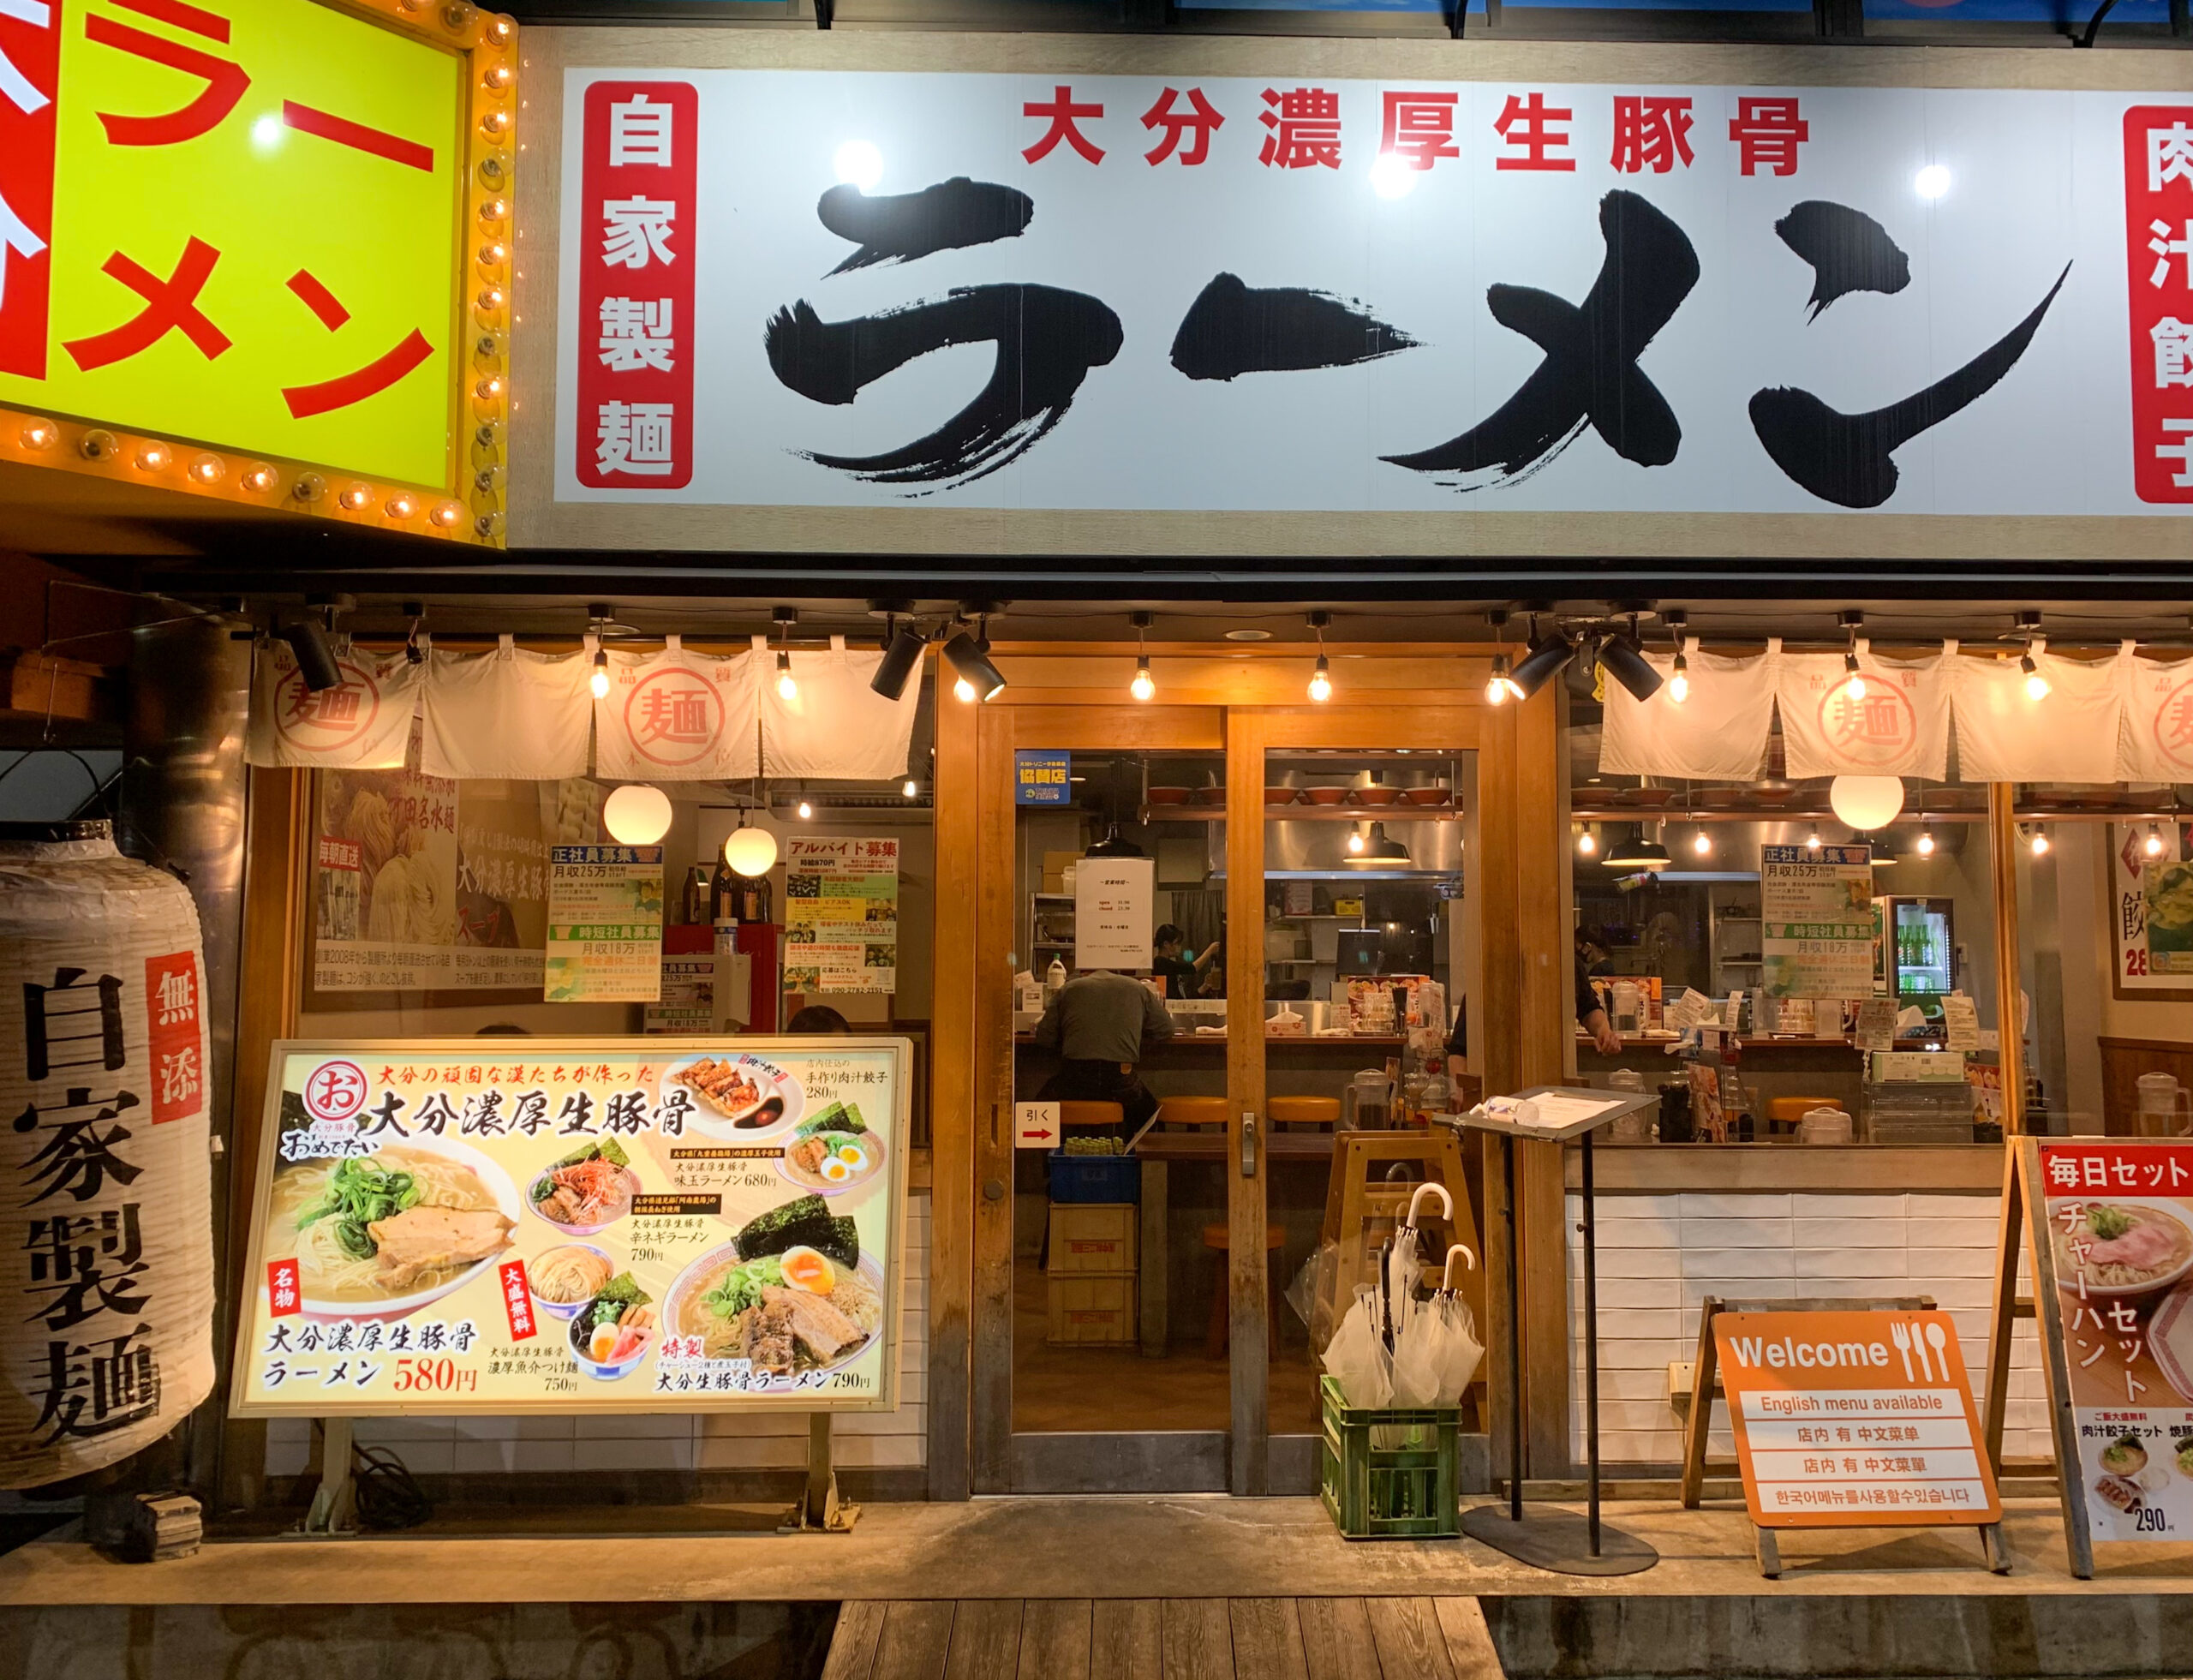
<point x="1098" y="1025"/>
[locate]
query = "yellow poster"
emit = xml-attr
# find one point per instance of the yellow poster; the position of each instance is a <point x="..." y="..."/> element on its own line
<point x="511" y="1224"/>
<point x="237" y="223"/>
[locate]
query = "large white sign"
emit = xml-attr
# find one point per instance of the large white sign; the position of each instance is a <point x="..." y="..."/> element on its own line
<point x="1112" y="902"/>
<point x="1073" y="291"/>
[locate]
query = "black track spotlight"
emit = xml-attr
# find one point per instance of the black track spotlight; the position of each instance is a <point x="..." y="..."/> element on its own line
<point x="1538" y="666"/>
<point x="972" y="666"/>
<point x="315" y="658"/>
<point x="1622" y="659"/>
<point x="902" y="657"/>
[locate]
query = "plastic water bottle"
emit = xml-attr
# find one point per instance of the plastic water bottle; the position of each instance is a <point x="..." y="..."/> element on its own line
<point x="1053" y="981"/>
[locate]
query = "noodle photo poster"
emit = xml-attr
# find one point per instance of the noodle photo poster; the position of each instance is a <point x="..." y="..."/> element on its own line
<point x="2119" y="1251"/>
<point x="576" y="1224"/>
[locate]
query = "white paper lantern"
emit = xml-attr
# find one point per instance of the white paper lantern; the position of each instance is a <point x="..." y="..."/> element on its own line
<point x="636" y="813"/>
<point x="750" y="851"/>
<point x="106" y="1233"/>
<point x="1866" y="802"/>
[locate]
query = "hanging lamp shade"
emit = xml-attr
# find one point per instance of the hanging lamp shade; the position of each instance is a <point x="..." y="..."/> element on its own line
<point x="750" y="851"/>
<point x="636" y="813"/>
<point x="1866" y="802"/>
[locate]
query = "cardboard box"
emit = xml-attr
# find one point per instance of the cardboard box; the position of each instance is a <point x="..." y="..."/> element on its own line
<point x="1092" y="1236"/>
<point x="1092" y="1309"/>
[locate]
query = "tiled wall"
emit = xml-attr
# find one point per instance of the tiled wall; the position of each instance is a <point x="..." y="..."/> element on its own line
<point x="445" y="1446"/>
<point x="1660" y="1256"/>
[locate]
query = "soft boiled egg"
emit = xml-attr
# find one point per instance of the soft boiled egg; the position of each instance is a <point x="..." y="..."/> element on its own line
<point x="807" y="1268"/>
<point x="854" y="1156"/>
<point x="601" y="1346"/>
<point x="836" y="1169"/>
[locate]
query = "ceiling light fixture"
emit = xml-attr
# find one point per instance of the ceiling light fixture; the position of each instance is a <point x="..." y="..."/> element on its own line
<point x="1855" y="687"/>
<point x="2040" y="841"/>
<point x="2036" y="685"/>
<point x="1588" y="843"/>
<point x="1321" y="677"/>
<point x="978" y="679"/>
<point x="1548" y="654"/>
<point x="1813" y="839"/>
<point x="1701" y="842"/>
<point x="1500" y="687"/>
<point x="2152" y="844"/>
<point x="784" y="617"/>
<point x="1926" y="848"/>
<point x="1623" y="659"/>
<point x="315" y="658"/>
<point x="1145" y="686"/>
<point x="911" y="790"/>
<point x="636" y="813"/>
<point x="1679" y="679"/>
<point x="1637" y="852"/>
<point x="1866" y="802"/>
<point x="903" y="645"/>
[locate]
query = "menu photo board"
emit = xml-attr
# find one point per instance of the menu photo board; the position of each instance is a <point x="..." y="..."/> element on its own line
<point x="576" y="1224"/>
<point x="1853" y="1420"/>
<point x="2113" y="1284"/>
<point x="1816" y="903"/>
<point x="2151" y="911"/>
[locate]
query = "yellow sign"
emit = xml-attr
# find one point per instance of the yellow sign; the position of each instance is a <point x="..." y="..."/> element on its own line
<point x="520" y="1224"/>
<point x="241" y="223"/>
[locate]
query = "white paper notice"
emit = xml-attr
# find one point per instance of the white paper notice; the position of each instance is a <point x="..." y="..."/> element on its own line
<point x="1960" y="1015"/>
<point x="1112" y="903"/>
<point x="1877" y="1023"/>
<point x="1036" y="1124"/>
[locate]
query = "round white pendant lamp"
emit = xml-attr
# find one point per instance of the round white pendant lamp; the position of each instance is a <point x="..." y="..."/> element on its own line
<point x="750" y="851"/>
<point x="1866" y="802"/>
<point x="636" y="813"/>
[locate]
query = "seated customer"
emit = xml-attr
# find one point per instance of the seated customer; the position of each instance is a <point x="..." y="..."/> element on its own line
<point x="1098" y="1025"/>
<point x="818" y="1019"/>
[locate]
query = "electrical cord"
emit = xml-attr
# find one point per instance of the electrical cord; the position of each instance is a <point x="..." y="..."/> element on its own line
<point x="388" y="1495"/>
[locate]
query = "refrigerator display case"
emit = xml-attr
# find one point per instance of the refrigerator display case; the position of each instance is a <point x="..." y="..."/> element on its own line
<point x="1914" y="951"/>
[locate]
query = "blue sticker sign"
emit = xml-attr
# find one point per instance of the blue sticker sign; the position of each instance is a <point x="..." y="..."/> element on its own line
<point x="1042" y="777"/>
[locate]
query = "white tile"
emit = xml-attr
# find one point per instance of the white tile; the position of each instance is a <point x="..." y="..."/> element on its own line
<point x="1882" y="1233"/>
<point x="640" y="1455"/>
<point x="1862" y="1205"/>
<point x="1621" y="1232"/>
<point x="1756" y="1287"/>
<point x="421" y="1458"/>
<point x="1980" y="1204"/>
<point x="1960" y="1291"/>
<point x="1957" y="1233"/>
<point x="1696" y="1206"/>
<point x="1613" y="1206"/>
<point x="1932" y="1263"/>
<point x="1647" y="1385"/>
<point x="1618" y="1293"/>
<point x="644" y="1425"/>
<point x="399" y="1432"/>
<point x="1739" y="1267"/>
<point x="1733" y="1233"/>
<point x="512" y="1457"/>
<point x="1640" y="1324"/>
<point x="1629" y="1263"/>
<point x="1631" y="1413"/>
<point x="738" y="1453"/>
<point x="1872" y="1264"/>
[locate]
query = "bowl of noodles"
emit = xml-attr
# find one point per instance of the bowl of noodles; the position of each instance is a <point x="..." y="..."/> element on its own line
<point x="787" y="1314"/>
<point x="565" y="1278"/>
<point x="2123" y="1246"/>
<point x="380" y="1236"/>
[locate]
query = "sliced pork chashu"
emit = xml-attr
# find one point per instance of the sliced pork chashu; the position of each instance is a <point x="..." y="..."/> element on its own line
<point x="428" y="1238"/>
<point x="822" y="1327"/>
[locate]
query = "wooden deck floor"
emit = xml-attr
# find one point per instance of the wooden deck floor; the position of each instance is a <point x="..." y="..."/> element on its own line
<point x="1162" y="1639"/>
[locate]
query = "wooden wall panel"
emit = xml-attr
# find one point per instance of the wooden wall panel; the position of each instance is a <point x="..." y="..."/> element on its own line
<point x="992" y="1109"/>
<point x="952" y="1102"/>
<point x="1248" y="1288"/>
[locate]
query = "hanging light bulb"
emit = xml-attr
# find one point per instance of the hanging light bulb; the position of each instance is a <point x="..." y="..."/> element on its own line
<point x="786" y="688"/>
<point x="1813" y="839"/>
<point x="1144" y="685"/>
<point x="2152" y="844"/>
<point x="2040" y="841"/>
<point x="749" y="851"/>
<point x="1926" y="842"/>
<point x="636" y="813"/>
<point x="1321" y="682"/>
<point x="1355" y="841"/>
<point x="1501" y="687"/>
<point x="599" y="682"/>
<point x="1701" y="842"/>
<point x="1588" y="842"/>
<point x="806" y="811"/>
<point x="911" y="790"/>
<point x="2036" y="685"/>
<point x="1679" y="681"/>
<point x="1855" y="687"/>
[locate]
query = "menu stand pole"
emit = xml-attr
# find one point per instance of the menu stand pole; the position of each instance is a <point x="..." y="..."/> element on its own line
<point x="819" y="1510"/>
<point x="1547" y="1536"/>
<point x="334" y="1512"/>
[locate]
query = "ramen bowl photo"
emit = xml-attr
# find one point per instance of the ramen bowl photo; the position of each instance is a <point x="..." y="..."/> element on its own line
<point x="381" y="1236"/>
<point x="587" y="1191"/>
<point x="788" y="1314"/>
<point x="2123" y="1246"/>
<point x="565" y="1278"/>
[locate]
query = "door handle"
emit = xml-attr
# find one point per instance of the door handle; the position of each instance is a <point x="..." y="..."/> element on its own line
<point x="1248" y="1144"/>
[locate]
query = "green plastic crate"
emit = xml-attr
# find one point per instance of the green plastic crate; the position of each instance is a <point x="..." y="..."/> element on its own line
<point x="1403" y="1484"/>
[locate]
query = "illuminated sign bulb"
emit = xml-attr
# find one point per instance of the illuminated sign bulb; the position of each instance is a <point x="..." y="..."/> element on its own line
<point x="206" y="469"/>
<point x="1812" y="841"/>
<point x="259" y="477"/>
<point x="401" y="506"/>
<point x="495" y="124"/>
<point x="153" y="458"/>
<point x="355" y="497"/>
<point x="494" y="210"/>
<point x="1856" y="688"/>
<point x="497" y="78"/>
<point x="494" y="254"/>
<point x="447" y="514"/>
<point x="38" y="434"/>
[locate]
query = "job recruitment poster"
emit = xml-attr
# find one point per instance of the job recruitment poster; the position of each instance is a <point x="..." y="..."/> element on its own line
<point x="1817" y="905"/>
<point x="605" y="924"/>
<point x="841" y="915"/>
<point x="2120" y="1250"/>
<point x="575" y="1225"/>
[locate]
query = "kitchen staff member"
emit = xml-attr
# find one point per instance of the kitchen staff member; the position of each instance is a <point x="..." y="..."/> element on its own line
<point x="1183" y="978"/>
<point x="1098" y="1024"/>
<point x="1591" y="1013"/>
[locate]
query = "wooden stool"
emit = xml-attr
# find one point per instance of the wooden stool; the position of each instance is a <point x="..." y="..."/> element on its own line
<point x="1192" y="1113"/>
<point x="1311" y="1112"/>
<point x="1218" y="1239"/>
<point x="1073" y="1112"/>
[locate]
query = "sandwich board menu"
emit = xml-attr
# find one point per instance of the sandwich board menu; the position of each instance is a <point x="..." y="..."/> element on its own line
<point x="2113" y="1275"/>
<point x="575" y="1225"/>
<point x="1848" y="1419"/>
